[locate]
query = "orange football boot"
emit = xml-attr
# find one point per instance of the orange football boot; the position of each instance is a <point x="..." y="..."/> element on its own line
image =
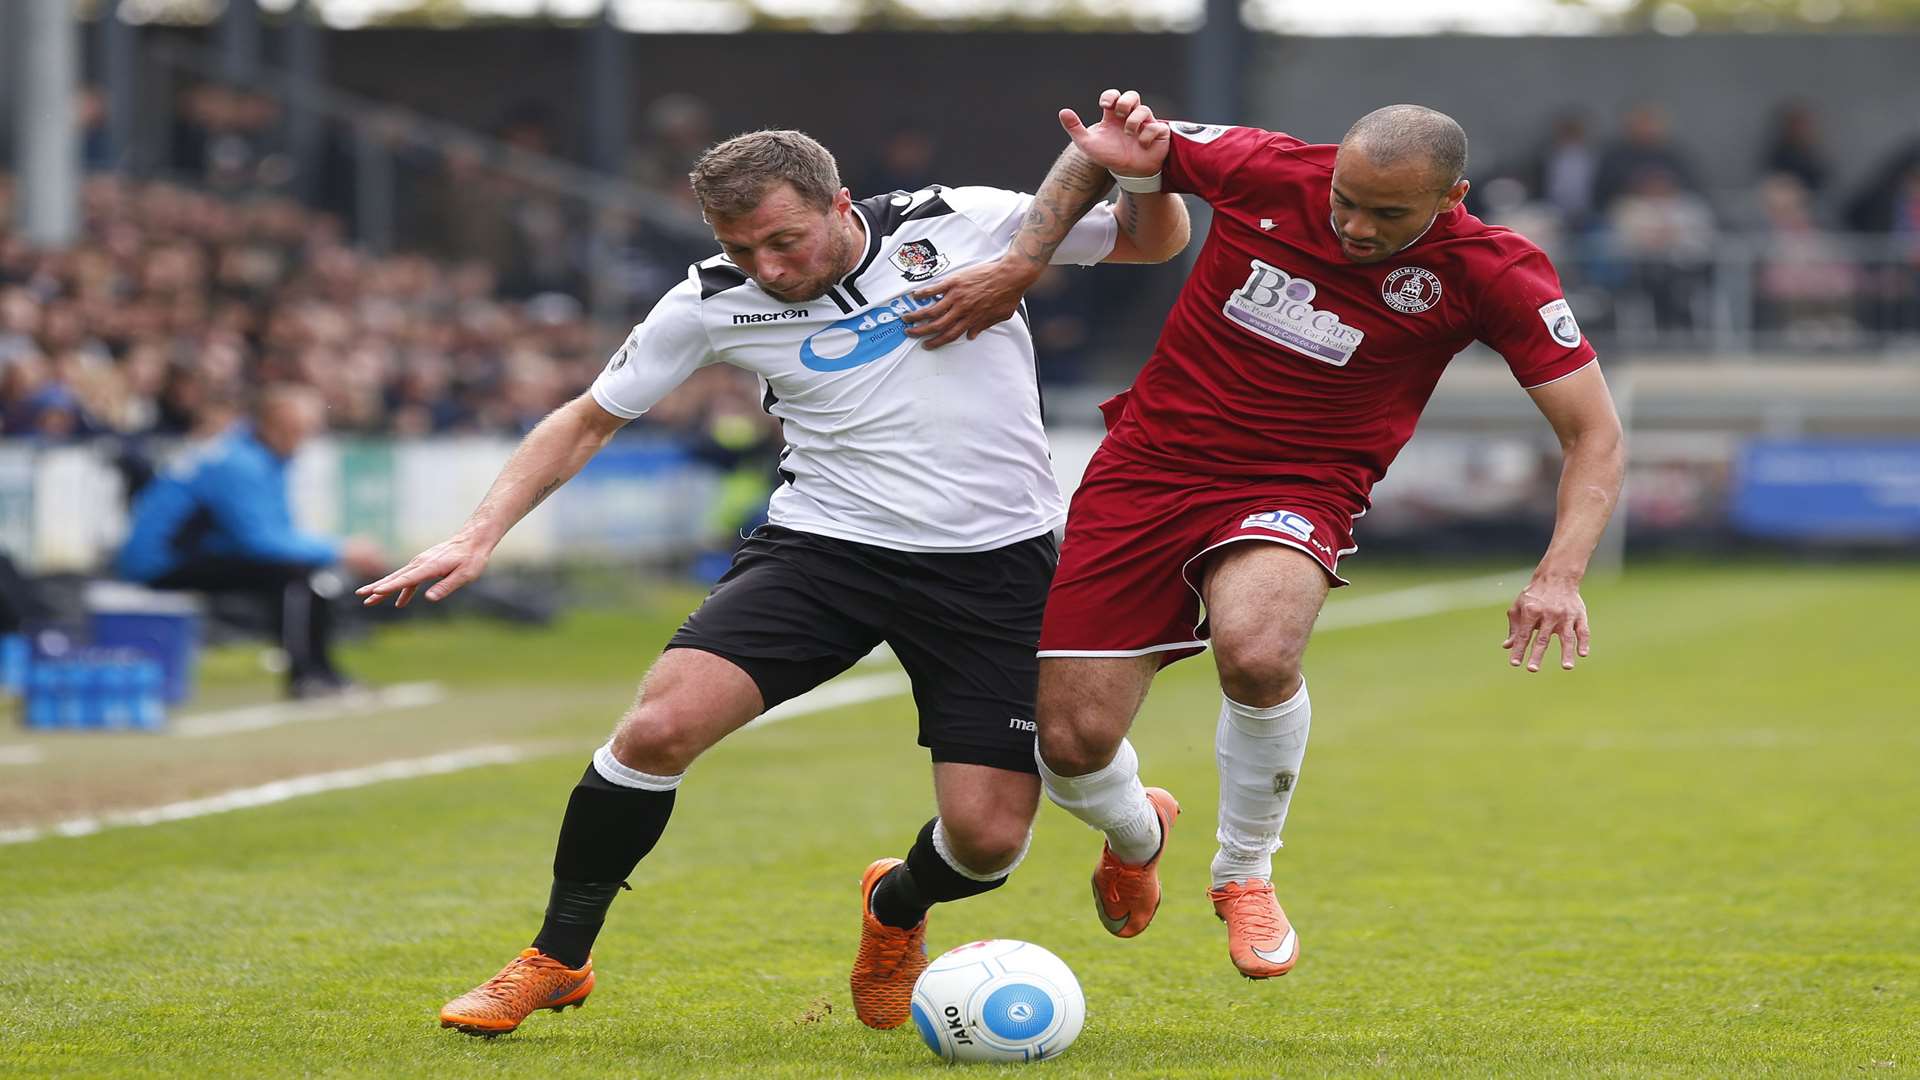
<point x="1259" y="938"/>
<point x="1125" y="897"/>
<point x="890" y="960"/>
<point x="534" y="981"/>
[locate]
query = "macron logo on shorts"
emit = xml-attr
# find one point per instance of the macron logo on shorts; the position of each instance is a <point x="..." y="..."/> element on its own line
<point x="1285" y="521"/>
<point x="1018" y="724"/>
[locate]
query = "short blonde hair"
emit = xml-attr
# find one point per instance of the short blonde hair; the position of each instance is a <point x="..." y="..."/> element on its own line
<point x="732" y="177"/>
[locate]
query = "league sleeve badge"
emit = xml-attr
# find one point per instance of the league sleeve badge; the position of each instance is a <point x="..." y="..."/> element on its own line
<point x="1558" y="315"/>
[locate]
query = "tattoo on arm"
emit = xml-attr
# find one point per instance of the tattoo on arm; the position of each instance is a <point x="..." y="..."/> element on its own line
<point x="1129" y="215"/>
<point x="544" y="492"/>
<point x="1071" y="189"/>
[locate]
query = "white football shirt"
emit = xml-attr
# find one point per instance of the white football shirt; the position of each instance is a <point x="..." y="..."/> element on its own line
<point x="887" y="443"/>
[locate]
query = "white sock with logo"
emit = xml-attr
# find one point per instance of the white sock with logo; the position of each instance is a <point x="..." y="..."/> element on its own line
<point x="1259" y="752"/>
<point x="1111" y="800"/>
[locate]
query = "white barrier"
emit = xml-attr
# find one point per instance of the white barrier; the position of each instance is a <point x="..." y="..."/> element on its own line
<point x="1482" y="453"/>
<point x="64" y="509"/>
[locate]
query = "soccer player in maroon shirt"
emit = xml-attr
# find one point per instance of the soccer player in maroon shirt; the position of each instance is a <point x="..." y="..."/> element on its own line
<point x="1334" y="287"/>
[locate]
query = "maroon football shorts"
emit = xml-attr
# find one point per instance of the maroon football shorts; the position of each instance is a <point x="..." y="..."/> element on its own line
<point x="1137" y="538"/>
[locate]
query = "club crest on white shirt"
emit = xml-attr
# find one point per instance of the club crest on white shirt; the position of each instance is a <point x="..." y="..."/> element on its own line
<point x="918" y="260"/>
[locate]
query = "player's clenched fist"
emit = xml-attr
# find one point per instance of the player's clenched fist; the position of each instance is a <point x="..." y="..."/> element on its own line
<point x="1127" y="139"/>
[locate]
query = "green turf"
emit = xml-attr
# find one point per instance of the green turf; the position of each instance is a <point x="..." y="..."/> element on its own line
<point x="1697" y="855"/>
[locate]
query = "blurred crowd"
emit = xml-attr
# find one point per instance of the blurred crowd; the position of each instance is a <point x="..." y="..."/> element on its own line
<point x="479" y="200"/>
<point x="182" y="294"/>
<point x="175" y="302"/>
<point x="1631" y="225"/>
<point x="1654" y="255"/>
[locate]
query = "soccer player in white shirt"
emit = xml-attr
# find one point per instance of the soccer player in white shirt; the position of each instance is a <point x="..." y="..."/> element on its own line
<point x="917" y="507"/>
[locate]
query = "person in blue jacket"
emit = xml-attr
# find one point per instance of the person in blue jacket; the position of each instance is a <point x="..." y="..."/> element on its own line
<point x="218" y="520"/>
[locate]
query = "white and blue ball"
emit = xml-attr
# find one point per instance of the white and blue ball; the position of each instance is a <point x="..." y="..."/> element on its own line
<point x="998" y="1000"/>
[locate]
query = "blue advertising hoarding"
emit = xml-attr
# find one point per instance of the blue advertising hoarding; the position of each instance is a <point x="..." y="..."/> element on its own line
<point x="1833" y="490"/>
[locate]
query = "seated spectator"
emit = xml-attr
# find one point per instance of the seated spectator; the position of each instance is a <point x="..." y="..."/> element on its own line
<point x="1806" y="282"/>
<point x="1645" y="145"/>
<point x="1793" y="148"/>
<point x="219" y="521"/>
<point x="1665" y="236"/>
<point x="1565" y="173"/>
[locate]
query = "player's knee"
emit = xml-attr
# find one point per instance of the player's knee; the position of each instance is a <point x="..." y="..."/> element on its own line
<point x="1075" y="746"/>
<point x="987" y="847"/>
<point x="1075" y="735"/>
<point x="657" y="738"/>
<point x="1258" y="672"/>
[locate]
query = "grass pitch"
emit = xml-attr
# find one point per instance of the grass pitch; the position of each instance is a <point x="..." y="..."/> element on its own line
<point x="1699" y="854"/>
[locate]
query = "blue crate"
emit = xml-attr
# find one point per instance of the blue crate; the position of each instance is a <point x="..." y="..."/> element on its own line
<point x="94" y="689"/>
<point x="165" y="626"/>
<point x="16" y="654"/>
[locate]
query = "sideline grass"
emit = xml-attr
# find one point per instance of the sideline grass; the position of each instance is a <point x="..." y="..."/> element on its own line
<point x="1696" y="855"/>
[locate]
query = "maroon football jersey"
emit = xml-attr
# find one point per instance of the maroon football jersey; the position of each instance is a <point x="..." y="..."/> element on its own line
<point x="1283" y="358"/>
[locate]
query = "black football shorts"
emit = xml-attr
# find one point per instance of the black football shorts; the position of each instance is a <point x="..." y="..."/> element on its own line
<point x="795" y="609"/>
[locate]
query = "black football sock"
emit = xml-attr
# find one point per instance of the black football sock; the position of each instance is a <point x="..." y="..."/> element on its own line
<point x="902" y="898"/>
<point x="607" y="831"/>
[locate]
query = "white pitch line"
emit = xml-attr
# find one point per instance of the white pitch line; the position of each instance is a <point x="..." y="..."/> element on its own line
<point x="835" y="694"/>
<point x="831" y="696"/>
<point x="21" y="755"/>
<point x="1419" y="601"/>
<point x="1388" y="607"/>
<point x="275" y="792"/>
<point x="274" y="714"/>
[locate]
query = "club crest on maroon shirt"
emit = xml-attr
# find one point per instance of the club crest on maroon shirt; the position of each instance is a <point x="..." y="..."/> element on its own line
<point x="1411" y="290"/>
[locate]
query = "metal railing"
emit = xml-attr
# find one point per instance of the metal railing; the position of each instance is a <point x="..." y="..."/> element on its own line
<point x="1752" y="293"/>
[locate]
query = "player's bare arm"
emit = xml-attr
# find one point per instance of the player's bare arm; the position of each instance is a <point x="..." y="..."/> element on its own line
<point x="1582" y="414"/>
<point x="1127" y="140"/>
<point x="548" y="457"/>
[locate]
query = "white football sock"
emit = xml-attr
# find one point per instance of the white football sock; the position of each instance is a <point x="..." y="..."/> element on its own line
<point x="1111" y="800"/>
<point x="1259" y="753"/>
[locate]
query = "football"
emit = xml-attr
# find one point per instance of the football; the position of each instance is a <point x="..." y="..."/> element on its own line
<point x="998" y="1000"/>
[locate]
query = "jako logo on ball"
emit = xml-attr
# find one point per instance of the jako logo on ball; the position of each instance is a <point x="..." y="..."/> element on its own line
<point x="998" y="1000"/>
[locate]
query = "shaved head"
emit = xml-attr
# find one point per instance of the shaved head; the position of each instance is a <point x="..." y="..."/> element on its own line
<point x="1398" y="170"/>
<point x="1411" y="133"/>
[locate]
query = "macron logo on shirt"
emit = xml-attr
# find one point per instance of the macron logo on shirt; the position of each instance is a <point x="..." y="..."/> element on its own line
<point x="769" y="316"/>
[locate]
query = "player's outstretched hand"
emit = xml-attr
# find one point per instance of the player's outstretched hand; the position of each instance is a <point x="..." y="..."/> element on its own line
<point x="452" y="562"/>
<point x="1127" y="139"/>
<point x="1545" y="610"/>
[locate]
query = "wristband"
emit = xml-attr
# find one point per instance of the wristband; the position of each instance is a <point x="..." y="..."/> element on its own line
<point x="1139" y="185"/>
